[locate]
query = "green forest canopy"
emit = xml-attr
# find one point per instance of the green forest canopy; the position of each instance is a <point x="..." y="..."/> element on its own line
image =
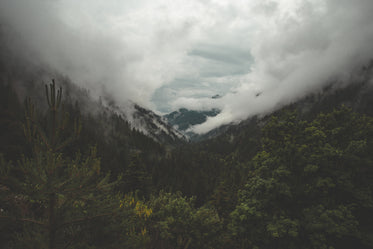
<point x="288" y="181"/>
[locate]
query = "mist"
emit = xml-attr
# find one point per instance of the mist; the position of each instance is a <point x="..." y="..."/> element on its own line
<point x="162" y="54"/>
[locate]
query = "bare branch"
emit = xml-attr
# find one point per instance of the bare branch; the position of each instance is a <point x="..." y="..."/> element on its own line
<point x="23" y="220"/>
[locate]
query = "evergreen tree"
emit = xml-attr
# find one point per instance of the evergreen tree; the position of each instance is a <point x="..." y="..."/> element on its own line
<point x="176" y="223"/>
<point x="11" y="138"/>
<point x="310" y="186"/>
<point x="49" y="195"/>
<point x="136" y="178"/>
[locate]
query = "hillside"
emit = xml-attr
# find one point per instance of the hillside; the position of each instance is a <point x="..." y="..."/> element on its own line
<point x="194" y="124"/>
<point x="102" y="175"/>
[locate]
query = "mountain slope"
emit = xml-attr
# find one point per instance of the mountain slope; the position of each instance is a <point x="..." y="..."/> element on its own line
<point x="356" y="93"/>
<point x="183" y="119"/>
<point x="155" y="126"/>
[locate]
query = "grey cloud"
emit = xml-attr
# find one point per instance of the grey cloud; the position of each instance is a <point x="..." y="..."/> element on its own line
<point x="307" y="49"/>
<point x="168" y="53"/>
<point x="90" y="59"/>
<point x="221" y="61"/>
<point x="173" y="96"/>
<point x="225" y="54"/>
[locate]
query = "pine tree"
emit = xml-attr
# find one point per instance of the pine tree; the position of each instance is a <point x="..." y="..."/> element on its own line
<point x="310" y="186"/>
<point x="49" y="197"/>
<point x="136" y="178"/>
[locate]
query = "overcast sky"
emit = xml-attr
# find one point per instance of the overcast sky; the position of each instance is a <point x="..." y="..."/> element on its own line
<point x="167" y="54"/>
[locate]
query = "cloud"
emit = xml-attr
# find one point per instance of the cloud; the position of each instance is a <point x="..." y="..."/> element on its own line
<point x="99" y="44"/>
<point x="133" y="48"/>
<point x="297" y="51"/>
<point x="167" y="54"/>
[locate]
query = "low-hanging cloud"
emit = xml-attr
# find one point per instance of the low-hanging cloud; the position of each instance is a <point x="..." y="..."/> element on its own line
<point x="299" y="51"/>
<point x="167" y="54"/>
<point x="109" y="47"/>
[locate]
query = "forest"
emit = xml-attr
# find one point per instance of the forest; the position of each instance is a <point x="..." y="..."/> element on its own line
<point x="76" y="179"/>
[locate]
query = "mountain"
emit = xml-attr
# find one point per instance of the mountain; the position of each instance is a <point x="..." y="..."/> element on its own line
<point x="138" y="118"/>
<point x="300" y="177"/>
<point x="155" y="126"/>
<point x="80" y="100"/>
<point x="183" y="119"/>
<point x="355" y="93"/>
<point x="357" y="96"/>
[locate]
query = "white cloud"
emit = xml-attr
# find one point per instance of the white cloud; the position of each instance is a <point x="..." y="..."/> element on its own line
<point x="298" y="51"/>
<point x="171" y="53"/>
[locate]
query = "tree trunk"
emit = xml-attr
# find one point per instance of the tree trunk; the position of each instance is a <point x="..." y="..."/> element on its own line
<point x="52" y="221"/>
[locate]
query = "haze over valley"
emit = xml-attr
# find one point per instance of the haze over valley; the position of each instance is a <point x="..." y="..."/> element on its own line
<point x="166" y="55"/>
<point x="199" y="124"/>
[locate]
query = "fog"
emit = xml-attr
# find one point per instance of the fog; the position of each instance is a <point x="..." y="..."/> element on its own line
<point x="167" y="54"/>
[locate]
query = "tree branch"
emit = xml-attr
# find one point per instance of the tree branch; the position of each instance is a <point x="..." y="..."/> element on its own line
<point x="23" y="220"/>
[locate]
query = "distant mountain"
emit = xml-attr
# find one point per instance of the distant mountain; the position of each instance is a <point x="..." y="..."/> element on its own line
<point x="155" y="126"/>
<point x="139" y="118"/>
<point x="183" y="119"/>
<point x="356" y="94"/>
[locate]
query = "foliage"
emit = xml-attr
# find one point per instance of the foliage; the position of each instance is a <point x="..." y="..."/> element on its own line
<point x="136" y="178"/>
<point x="176" y="223"/>
<point x="288" y="180"/>
<point x="308" y="184"/>
<point x="49" y="194"/>
<point x="11" y="137"/>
